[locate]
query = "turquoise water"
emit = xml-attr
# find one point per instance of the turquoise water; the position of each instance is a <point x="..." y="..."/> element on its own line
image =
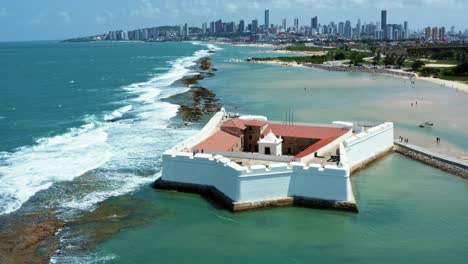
<point x="60" y="150"/>
<point x="418" y="216"/>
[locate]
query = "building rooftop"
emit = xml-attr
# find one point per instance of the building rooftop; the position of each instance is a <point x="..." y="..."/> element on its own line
<point x="219" y="141"/>
<point x="301" y="131"/>
<point x="235" y="123"/>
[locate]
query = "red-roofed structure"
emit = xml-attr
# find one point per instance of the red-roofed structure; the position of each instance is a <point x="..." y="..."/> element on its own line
<point x="220" y="141"/>
<point x="243" y="135"/>
<point x="234" y="123"/>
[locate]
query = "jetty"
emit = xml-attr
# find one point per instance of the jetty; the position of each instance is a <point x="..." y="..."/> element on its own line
<point x="448" y="164"/>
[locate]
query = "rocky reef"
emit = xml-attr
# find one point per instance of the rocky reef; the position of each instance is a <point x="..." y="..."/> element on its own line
<point x="198" y="102"/>
<point x="29" y="238"/>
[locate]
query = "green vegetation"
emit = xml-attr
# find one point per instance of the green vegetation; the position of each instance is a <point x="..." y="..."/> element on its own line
<point x="301" y="59"/>
<point x="342" y="53"/>
<point x="417" y="65"/>
<point x="303" y="47"/>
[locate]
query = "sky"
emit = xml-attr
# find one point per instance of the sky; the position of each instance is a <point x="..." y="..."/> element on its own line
<point x="22" y="20"/>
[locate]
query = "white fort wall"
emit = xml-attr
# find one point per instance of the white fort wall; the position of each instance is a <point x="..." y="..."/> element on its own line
<point x="369" y="144"/>
<point x="258" y="182"/>
<point x="279" y="180"/>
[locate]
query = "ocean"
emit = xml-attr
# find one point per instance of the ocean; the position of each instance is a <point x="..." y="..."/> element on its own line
<point x="83" y="127"/>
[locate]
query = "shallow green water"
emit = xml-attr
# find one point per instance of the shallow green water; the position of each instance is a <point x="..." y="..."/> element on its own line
<point x="409" y="213"/>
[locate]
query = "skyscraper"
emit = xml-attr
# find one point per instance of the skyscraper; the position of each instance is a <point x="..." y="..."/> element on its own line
<point x="204" y="28"/>
<point x="284" y="24"/>
<point x="267" y="19"/>
<point x="241" y="27"/>
<point x="212" y="27"/>
<point x="383" y="22"/>
<point x="348" y="31"/>
<point x="341" y="29"/>
<point x="254" y="26"/>
<point x="296" y="24"/>
<point x="405" y="28"/>
<point x="314" y="23"/>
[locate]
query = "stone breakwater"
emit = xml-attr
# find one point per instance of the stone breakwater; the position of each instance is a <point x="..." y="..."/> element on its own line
<point x="360" y="69"/>
<point x="438" y="161"/>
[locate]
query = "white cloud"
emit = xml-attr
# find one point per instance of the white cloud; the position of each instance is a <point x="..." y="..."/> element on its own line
<point x="104" y="16"/>
<point x="3" y="12"/>
<point x="146" y="10"/>
<point x="231" y="8"/>
<point x="65" y="17"/>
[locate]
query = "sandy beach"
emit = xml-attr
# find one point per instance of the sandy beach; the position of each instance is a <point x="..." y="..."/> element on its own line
<point x="308" y="53"/>
<point x="260" y="45"/>
<point x="459" y="86"/>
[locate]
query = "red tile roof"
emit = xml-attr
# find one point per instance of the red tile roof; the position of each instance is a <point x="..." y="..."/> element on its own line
<point x="316" y="146"/>
<point x="220" y="141"/>
<point x="236" y="123"/>
<point x="241" y="123"/>
<point x="326" y="135"/>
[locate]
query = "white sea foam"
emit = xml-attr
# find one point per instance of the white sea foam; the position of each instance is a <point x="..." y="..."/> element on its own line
<point x="29" y="170"/>
<point x="118" y="113"/>
<point x="118" y="155"/>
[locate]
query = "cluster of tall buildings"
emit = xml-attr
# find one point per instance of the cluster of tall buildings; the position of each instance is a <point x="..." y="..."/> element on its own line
<point x="267" y="31"/>
<point x="435" y="34"/>
<point x="381" y="30"/>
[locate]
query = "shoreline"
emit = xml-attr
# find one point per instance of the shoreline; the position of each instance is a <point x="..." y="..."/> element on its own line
<point x="458" y="86"/>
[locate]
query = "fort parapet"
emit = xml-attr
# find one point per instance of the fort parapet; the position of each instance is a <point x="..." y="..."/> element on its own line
<point x="252" y="182"/>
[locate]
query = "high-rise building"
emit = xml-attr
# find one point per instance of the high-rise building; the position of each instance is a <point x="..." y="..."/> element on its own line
<point x="348" y="31"/>
<point x="212" y="27"/>
<point x="186" y="30"/>
<point x="428" y="33"/>
<point x="406" y="30"/>
<point x="267" y="19"/>
<point x="358" y="29"/>
<point x="452" y="30"/>
<point x="435" y="33"/>
<point x="204" y="28"/>
<point x="241" y="27"/>
<point x="341" y="28"/>
<point x="442" y="34"/>
<point x="314" y="23"/>
<point x="284" y="24"/>
<point x="254" y="26"/>
<point x="296" y="24"/>
<point x="383" y="22"/>
<point x="389" y="32"/>
<point x="219" y="28"/>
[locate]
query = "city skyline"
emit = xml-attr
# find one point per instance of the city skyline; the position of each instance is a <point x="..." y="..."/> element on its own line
<point x="53" y="19"/>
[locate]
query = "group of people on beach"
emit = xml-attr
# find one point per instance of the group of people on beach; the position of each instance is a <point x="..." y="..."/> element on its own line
<point x="415" y="103"/>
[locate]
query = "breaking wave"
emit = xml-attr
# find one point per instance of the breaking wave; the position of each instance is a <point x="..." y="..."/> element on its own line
<point x="117" y="154"/>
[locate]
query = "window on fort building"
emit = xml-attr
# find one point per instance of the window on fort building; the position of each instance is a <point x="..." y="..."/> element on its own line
<point x="256" y="148"/>
<point x="289" y="151"/>
<point x="250" y="146"/>
<point x="267" y="151"/>
<point x="250" y="128"/>
<point x="250" y="137"/>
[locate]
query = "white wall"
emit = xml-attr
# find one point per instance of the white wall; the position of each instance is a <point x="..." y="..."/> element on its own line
<point x="329" y="183"/>
<point x="209" y="129"/>
<point x="251" y="155"/>
<point x="369" y="143"/>
<point x="257" y="182"/>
